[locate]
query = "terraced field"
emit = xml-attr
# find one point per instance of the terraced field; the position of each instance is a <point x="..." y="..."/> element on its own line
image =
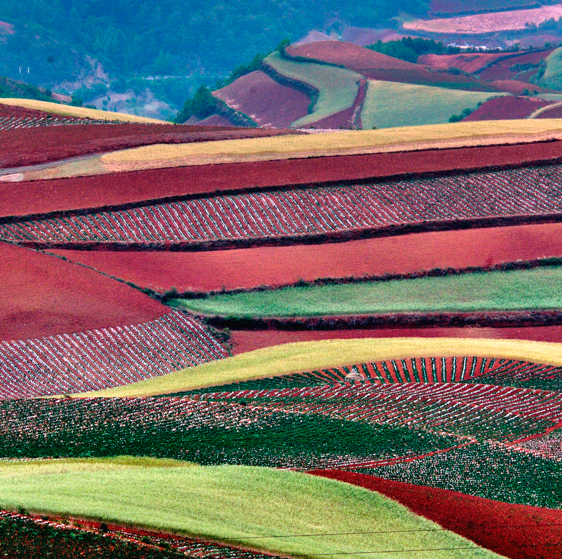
<point x="128" y="430"/>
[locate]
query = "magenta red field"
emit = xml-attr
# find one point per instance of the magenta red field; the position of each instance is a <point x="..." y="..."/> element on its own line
<point x="265" y="101"/>
<point x="462" y="6"/>
<point x="42" y="295"/>
<point x="507" y="108"/>
<point x="505" y="68"/>
<point x="122" y="188"/>
<point x="466" y="62"/>
<point x="515" y="531"/>
<point x="248" y="268"/>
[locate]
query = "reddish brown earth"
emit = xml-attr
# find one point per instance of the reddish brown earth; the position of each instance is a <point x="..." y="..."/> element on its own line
<point x="42" y="295"/>
<point x="249" y="340"/>
<point x="215" y="120"/>
<point x="469" y="62"/>
<point x="265" y="101"/>
<point x="506" y="108"/>
<point x="555" y="112"/>
<point x="30" y="146"/>
<point x="517" y="87"/>
<point x="375" y="65"/>
<point x="252" y="267"/>
<point x="7" y="111"/>
<point x="123" y="188"/>
<point x="515" y="531"/>
<point x="346" y="119"/>
<point x="351" y="56"/>
<point x="501" y="69"/>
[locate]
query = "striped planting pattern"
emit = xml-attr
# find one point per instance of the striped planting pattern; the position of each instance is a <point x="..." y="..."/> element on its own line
<point x="315" y="210"/>
<point x="14" y="123"/>
<point x="104" y="358"/>
<point x="482" y="370"/>
<point x="465" y="410"/>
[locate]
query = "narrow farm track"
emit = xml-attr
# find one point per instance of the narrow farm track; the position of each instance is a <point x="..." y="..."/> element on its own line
<point x="137" y="187"/>
<point x="104" y="358"/>
<point x="376" y="209"/>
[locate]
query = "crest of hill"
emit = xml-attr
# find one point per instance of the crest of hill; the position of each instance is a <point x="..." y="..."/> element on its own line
<point x="378" y="66"/>
<point x="351" y="56"/>
<point x="43" y="295"/>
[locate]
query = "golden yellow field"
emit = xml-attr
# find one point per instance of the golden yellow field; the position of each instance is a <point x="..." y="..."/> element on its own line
<point x="77" y="112"/>
<point x="304" y="356"/>
<point x="335" y="143"/>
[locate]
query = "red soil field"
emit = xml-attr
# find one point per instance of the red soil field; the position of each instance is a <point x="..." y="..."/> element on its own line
<point x="375" y="65"/>
<point x="469" y="62"/>
<point x="50" y="143"/>
<point x="351" y="56"/>
<point x="39" y="197"/>
<point x="517" y="87"/>
<point x="555" y="112"/>
<point x="249" y="340"/>
<point x="346" y="119"/>
<point x="367" y="36"/>
<point x="265" y="101"/>
<point x="251" y="267"/>
<point x="501" y="69"/>
<point x="215" y="120"/>
<point x="8" y="111"/>
<point x="506" y="108"/>
<point x="515" y="531"/>
<point x="42" y="295"/>
<point x="473" y="6"/>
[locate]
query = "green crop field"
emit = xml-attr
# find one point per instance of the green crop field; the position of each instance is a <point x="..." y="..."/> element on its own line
<point x="305" y="356"/>
<point x="390" y="104"/>
<point x="338" y="87"/>
<point x="256" y="507"/>
<point x="539" y="288"/>
<point x="552" y="76"/>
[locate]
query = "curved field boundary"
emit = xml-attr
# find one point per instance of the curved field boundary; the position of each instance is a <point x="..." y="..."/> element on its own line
<point x="337" y="87"/>
<point x="132" y="189"/>
<point x="103" y="358"/>
<point x="305" y="356"/>
<point x="275" y="266"/>
<point x="415" y="104"/>
<point x="427" y="370"/>
<point x="514" y="531"/>
<point x="312" y="214"/>
<point x="26" y="147"/>
<point x="44" y="296"/>
<point x="243" y="341"/>
<point x="186" y="499"/>
<point x="77" y="112"/>
<point x="438" y="136"/>
<point x="84" y="538"/>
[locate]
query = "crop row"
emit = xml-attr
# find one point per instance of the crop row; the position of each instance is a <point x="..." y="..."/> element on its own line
<point x="482" y="370"/>
<point x="225" y="432"/>
<point x="469" y="410"/>
<point x="315" y="210"/>
<point x="549" y="445"/>
<point x="13" y="123"/>
<point x="35" y="537"/>
<point x="103" y="358"/>
<point x="485" y="470"/>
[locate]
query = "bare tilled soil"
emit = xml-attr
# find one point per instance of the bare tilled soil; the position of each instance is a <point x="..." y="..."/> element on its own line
<point x="40" y="197"/>
<point x="31" y="146"/>
<point x="507" y="108"/>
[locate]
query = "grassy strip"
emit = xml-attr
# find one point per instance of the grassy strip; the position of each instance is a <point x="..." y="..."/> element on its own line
<point x="78" y="112"/>
<point x="459" y="134"/>
<point x="337" y="87"/>
<point x="418" y="104"/>
<point x="480" y="291"/>
<point x="234" y="503"/>
<point x="306" y="356"/>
